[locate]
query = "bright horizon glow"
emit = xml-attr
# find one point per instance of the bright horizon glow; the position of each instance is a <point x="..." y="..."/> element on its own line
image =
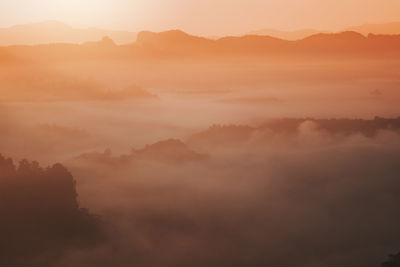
<point x="207" y="17"/>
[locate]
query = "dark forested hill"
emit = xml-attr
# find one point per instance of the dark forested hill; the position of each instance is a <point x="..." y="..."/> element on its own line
<point x="40" y="215"/>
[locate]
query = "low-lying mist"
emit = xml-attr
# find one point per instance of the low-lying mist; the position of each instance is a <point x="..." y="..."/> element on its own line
<point x="308" y="198"/>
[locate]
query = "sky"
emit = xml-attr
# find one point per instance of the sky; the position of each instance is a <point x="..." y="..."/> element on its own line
<point x="202" y="16"/>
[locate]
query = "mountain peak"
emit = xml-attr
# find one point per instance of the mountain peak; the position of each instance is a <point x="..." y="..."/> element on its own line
<point x="343" y="36"/>
<point x="172" y="36"/>
<point x="107" y="41"/>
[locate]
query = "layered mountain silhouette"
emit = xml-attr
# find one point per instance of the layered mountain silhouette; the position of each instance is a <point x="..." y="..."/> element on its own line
<point x="57" y="32"/>
<point x="286" y="35"/>
<point x="176" y="43"/>
<point x="391" y="28"/>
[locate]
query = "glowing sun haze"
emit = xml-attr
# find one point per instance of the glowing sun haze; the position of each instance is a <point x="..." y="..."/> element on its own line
<point x="202" y="17"/>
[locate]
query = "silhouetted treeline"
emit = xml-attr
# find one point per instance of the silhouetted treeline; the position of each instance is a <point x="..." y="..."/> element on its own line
<point x="169" y="151"/>
<point x="336" y="126"/>
<point x="290" y="202"/>
<point x="40" y="215"/>
<point x="221" y="135"/>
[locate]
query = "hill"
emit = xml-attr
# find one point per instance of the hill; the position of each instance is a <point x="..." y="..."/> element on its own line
<point x="57" y="32"/>
<point x="40" y="214"/>
<point x="286" y="35"/>
<point x="177" y="45"/>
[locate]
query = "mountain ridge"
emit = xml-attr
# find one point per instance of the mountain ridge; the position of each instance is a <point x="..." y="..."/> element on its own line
<point x="53" y="31"/>
<point x="178" y="44"/>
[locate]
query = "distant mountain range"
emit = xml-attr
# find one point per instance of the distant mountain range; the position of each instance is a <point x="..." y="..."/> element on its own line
<point x="57" y="32"/>
<point x="178" y="44"/>
<point x="327" y="44"/>
<point x="385" y="28"/>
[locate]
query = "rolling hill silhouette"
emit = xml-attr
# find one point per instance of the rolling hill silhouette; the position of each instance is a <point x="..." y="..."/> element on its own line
<point x="57" y="32"/>
<point x="171" y="151"/>
<point x="391" y="28"/>
<point x="286" y="35"/>
<point x="177" y="44"/>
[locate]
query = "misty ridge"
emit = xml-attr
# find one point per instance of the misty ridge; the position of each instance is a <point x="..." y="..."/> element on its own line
<point x="270" y="197"/>
<point x="265" y="193"/>
<point x="58" y="32"/>
<point x="346" y="68"/>
<point x="180" y="150"/>
<point x="248" y="70"/>
<point x="174" y="151"/>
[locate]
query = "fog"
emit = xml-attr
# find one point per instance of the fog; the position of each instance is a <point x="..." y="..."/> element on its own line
<point x="310" y="199"/>
<point x="214" y="161"/>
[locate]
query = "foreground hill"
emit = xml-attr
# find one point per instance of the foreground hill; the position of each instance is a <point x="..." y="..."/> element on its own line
<point x="40" y="215"/>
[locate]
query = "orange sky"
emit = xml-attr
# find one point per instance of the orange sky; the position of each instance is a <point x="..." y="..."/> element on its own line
<point x="202" y="16"/>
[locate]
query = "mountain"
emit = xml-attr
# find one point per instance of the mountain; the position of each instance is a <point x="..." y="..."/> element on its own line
<point x="328" y="44"/>
<point x="286" y="35"/>
<point x="105" y="42"/>
<point x="344" y="41"/>
<point x="386" y="28"/>
<point x="177" y="44"/>
<point x="391" y="28"/>
<point x="174" y="41"/>
<point x="57" y="32"/>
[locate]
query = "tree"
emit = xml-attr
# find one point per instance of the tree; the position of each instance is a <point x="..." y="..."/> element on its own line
<point x="40" y="215"/>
